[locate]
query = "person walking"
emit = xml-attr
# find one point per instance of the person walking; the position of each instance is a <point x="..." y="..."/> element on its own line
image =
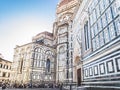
<point x="61" y="86"/>
<point x="3" y="87"/>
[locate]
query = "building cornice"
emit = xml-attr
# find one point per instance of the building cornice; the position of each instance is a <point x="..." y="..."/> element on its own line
<point x="1" y="59"/>
<point x="66" y="7"/>
<point x="17" y="46"/>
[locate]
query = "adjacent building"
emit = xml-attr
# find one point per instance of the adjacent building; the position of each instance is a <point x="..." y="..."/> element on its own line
<point x="5" y="71"/>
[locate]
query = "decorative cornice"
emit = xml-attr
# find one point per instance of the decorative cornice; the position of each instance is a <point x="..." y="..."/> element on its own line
<point x="66" y="6"/>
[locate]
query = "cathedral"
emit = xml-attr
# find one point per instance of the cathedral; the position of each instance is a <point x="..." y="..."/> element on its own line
<point x="48" y="58"/>
<point x="83" y="48"/>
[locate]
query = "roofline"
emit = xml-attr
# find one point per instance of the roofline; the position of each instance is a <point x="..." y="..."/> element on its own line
<point x="22" y="45"/>
<point x="5" y="60"/>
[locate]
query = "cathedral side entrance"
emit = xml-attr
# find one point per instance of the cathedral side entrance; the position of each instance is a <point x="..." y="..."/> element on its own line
<point x="79" y="76"/>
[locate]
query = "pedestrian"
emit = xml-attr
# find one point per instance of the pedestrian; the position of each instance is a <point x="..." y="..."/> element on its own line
<point x="3" y="87"/>
<point x="61" y="85"/>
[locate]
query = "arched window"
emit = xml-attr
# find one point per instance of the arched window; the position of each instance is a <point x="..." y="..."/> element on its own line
<point x="48" y="65"/>
<point x="86" y="32"/>
<point x="38" y="57"/>
<point x="20" y="65"/>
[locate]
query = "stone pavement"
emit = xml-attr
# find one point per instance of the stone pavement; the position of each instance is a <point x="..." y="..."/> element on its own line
<point x="34" y="89"/>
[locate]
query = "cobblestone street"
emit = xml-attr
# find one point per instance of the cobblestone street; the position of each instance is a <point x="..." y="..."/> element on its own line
<point x="34" y="89"/>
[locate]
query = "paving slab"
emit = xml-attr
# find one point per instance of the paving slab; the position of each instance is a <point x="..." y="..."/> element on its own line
<point x="32" y="89"/>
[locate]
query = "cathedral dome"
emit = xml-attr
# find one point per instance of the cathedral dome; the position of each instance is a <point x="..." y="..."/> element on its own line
<point x="63" y="2"/>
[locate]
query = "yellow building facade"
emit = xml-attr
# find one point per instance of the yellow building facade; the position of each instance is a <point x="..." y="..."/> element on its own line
<point x="5" y="70"/>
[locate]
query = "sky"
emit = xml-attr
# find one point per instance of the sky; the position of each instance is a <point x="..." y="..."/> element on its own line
<point x="20" y="20"/>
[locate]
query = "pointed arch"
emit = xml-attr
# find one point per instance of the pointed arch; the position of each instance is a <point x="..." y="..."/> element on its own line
<point x="48" y="65"/>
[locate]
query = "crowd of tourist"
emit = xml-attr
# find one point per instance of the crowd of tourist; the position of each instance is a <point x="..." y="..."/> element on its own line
<point x="42" y="85"/>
